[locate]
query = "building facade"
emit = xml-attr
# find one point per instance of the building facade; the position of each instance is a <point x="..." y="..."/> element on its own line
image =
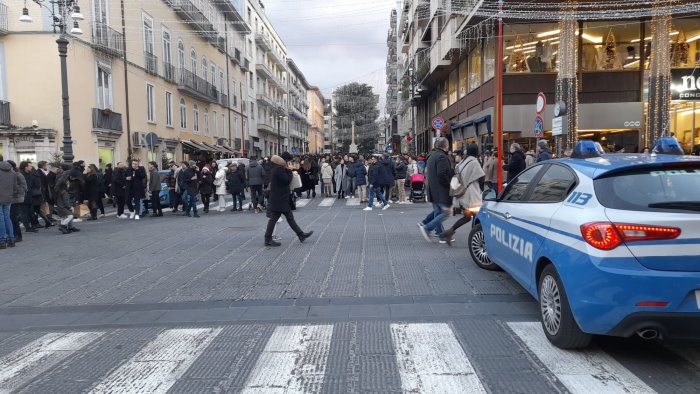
<point x="450" y="70"/>
<point x="330" y="138"/>
<point x="298" y="109"/>
<point x="316" y="116"/>
<point x="392" y="134"/>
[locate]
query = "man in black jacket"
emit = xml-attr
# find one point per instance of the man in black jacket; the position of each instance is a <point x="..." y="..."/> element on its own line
<point x="119" y="188"/>
<point x="280" y="200"/>
<point x="135" y="188"/>
<point x="190" y="185"/>
<point x="516" y="165"/>
<point x="439" y="172"/>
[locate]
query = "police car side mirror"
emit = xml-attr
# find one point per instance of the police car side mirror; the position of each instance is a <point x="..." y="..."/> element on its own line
<point x="489" y="195"/>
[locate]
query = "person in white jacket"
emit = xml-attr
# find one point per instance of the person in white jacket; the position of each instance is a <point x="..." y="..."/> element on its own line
<point x="469" y="171"/>
<point x="220" y="183"/>
<point x="327" y="177"/>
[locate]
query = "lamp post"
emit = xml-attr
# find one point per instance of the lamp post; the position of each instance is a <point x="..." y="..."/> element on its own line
<point x="279" y="137"/>
<point x="60" y="16"/>
<point x="412" y="76"/>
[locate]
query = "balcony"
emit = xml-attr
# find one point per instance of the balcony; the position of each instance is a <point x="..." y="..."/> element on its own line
<point x="265" y="99"/>
<point x="107" y="40"/>
<point x="5" y="113"/>
<point x="151" y="63"/>
<point x="264" y="70"/>
<point x="191" y="85"/>
<point x="168" y="72"/>
<point x="265" y="127"/>
<point x="104" y="119"/>
<point x="436" y="59"/>
<point x="236" y="58"/>
<point x="3" y="19"/>
<point x="191" y="14"/>
<point x="245" y="65"/>
<point x="223" y="100"/>
<point x="263" y="42"/>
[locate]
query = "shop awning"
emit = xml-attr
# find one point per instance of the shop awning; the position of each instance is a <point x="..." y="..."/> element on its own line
<point x="213" y="148"/>
<point x="228" y="149"/>
<point x="195" y="146"/>
<point x="474" y="122"/>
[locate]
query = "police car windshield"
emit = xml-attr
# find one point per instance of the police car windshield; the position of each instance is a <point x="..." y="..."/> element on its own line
<point x="655" y="189"/>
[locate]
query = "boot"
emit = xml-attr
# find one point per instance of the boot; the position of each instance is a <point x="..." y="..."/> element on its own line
<point x="63" y="229"/>
<point x="447" y="236"/>
<point x="272" y="243"/>
<point x="73" y="229"/>
<point x="304" y="236"/>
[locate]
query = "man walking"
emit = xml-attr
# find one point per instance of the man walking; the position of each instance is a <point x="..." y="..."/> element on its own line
<point x="190" y="187"/>
<point x="154" y="187"/>
<point x="8" y="186"/>
<point x="135" y="188"/>
<point x="439" y="173"/>
<point x="256" y="177"/>
<point x="378" y="179"/>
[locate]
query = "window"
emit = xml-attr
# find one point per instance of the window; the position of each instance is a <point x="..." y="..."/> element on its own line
<point x="168" y="109"/>
<point x="195" y="119"/>
<point x="531" y="47"/>
<point x="554" y="185"/>
<point x="223" y="126"/>
<point x="517" y="189"/>
<point x="453" y="86"/>
<point x="183" y="114"/>
<point x="213" y="76"/>
<point x="222" y="81"/>
<point x="193" y="61"/>
<point x="624" y="42"/>
<point x="490" y="59"/>
<point x="206" y="122"/>
<point x="215" y="117"/>
<point x="148" y="43"/>
<point x="104" y="87"/>
<point x="180" y="54"/>
<point x="475" y="68"/>
<point x="167" y="53"/>
<point x="150" y="103"/>
<point x="204" y="69"/>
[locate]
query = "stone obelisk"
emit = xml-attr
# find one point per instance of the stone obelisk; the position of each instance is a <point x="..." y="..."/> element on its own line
<point x="353" y="146"/>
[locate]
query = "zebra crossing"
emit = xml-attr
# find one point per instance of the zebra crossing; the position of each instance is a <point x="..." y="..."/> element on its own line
<point x="432" y="357"/>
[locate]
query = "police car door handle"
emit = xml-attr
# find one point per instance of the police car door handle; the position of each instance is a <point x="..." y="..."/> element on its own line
<point x="508" y="216"/>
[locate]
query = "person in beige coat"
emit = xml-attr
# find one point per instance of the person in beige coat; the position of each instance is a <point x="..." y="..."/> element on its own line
<point x="327" y="176"/>
<point x="491" y="170"/>
<point x="469" y="171"/>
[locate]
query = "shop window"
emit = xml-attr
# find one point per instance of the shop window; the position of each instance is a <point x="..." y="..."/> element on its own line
<point x="475" y="68"/>
<point x="453" y="86"/>
<point x="611" y="46"/>
<point x="685" y="120"/>
<point x="490" y="59"/>
<point x="530" y="47"/>
<point x="685" y="42"/>
<point x="463" y="78"/>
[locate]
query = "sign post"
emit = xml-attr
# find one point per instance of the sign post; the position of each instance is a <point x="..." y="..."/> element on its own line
<point x="540" y="106"/>
<point x="539" y="127"/>
<point x="438" y="123"/>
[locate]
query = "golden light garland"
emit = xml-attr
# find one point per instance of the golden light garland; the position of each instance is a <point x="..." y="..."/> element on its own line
<point x="659" y="112"/>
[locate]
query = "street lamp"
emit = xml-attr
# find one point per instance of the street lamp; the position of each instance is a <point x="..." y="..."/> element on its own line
<point x="279" y="137"/>
<point x="60" y="16"/>
<point x="412" y="75"/>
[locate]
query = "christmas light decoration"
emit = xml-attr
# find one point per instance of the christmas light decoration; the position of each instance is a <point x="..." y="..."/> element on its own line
<point x="659" y="116"/>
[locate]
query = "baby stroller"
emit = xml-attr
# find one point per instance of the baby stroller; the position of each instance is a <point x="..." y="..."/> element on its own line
<point x="417" y="187"/>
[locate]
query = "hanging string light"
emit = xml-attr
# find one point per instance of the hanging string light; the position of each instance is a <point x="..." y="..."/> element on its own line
<point x="659" y="77"/>
<point x="567" y="81"/>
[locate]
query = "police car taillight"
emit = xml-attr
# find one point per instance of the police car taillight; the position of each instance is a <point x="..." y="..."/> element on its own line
<point x="608" y="236"/>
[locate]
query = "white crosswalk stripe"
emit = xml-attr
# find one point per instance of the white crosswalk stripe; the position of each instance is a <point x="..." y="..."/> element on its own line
<point x="302" y="202"/>
<point x="327" y="202"/>
<point x="159" y="364"/>
<point x="352" y="202"/>
<point x="294" y="361"/>
<point x="583" y="371"/>
<point x="431" y="360"/>
<point x="32" y="360"/>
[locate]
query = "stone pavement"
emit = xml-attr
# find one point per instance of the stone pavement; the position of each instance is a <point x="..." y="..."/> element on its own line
<point x="188" y="305"/>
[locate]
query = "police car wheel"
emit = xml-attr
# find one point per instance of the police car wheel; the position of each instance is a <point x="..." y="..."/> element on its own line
<point x="558" y="322"/>
<point x="477" y="249"/>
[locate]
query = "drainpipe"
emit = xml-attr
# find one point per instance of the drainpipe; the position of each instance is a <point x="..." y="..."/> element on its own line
<point x="126" y="85"/>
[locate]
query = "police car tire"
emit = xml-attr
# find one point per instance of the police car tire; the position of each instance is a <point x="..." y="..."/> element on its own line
<point x="569" y="335"/>
<point x="474" y="233"/>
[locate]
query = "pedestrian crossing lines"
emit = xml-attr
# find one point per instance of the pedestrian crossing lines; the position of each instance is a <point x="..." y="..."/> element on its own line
<point x="300" y="203"/>
<point x="435" y="357"/>
<point x="353" y="202"/>
<point x="327" y="202"/>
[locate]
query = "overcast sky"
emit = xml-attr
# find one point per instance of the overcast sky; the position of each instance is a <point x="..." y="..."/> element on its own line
<point x="335" y="41"/>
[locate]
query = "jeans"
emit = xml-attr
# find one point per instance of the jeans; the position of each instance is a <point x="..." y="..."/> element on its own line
<point x="375" y="190"/>
<point x="7" y="233"/>
<point x="274" y="216"/>
<point x="189" y="201"/>
<point x="351" y="186"/>
<point x="237" y="198"/>
<point x="434" y="220"/>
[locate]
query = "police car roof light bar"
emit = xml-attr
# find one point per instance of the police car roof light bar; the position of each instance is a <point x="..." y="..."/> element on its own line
<point x="586" y="149"/>
<point x="668" y="146"/>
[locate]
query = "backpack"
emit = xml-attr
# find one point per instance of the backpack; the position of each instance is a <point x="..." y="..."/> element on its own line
<point x="351" y="171"/>
<point x="457" y="188"/>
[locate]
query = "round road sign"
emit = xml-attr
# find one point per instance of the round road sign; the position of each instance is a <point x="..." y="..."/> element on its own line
<point x="541" y="103"/>
<point x="539" y="127"/>
<point x="438" y="123"/>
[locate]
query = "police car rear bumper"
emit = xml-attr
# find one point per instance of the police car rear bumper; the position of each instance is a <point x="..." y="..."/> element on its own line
<point x="668" y="325"/>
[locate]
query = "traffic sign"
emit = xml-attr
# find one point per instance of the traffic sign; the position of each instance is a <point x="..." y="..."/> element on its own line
<point x="539" y="126"/>
<point x="438" y="123"/>
<point x="389" y="149"/>
<point x="541" y="103"/>
<point x="294" y="150"/>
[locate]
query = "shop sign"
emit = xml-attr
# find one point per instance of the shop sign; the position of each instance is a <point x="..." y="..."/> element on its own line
<point x="685" y="84"/>
<point x="558" y="125"/>
<point x="23" y="142"/>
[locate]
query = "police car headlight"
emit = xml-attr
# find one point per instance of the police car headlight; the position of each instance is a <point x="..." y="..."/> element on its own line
<point x="474" y="210"/>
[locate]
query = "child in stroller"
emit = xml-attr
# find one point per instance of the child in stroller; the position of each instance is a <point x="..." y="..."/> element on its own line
<point x="417" y="187"/>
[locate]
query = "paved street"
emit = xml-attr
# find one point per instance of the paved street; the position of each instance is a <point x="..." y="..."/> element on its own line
<point x="189" y="305"/>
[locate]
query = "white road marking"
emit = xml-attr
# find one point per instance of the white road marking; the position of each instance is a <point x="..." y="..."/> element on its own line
<point x="302" y="202"/>
<point x="159" y="364"/>
<point x="327" y="202"/>
<point x="32" y="360"/>
<point x="431" y="360"/>
<point x="353" y="202"/>
<point x="582" y="371"/>
<point x="294" y="361"/>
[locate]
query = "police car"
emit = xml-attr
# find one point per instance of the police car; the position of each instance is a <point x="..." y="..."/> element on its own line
<point x="607" y="244"/>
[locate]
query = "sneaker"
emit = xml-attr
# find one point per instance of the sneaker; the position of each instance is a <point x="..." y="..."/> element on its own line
<point x="272" y="243"/>
<point x="131" y="215"/>
<point x="136" y="217"/>
<point x="279" y="220"/>
<point x="424" y="232"/>
<point x="367" y="209"/>
<point x="347" y="196"/>
<point x="387" y="206"/>
<point x="78" y="220"/>
<point x="123" y="216"/>
<point x="276" y="238"/>
<point x="195" y="215"/>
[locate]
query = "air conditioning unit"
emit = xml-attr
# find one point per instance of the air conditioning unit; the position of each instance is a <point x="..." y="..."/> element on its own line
<point x="138" y="140"/>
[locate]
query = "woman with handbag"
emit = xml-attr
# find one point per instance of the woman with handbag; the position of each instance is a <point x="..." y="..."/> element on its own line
<point x="465" y="189"/>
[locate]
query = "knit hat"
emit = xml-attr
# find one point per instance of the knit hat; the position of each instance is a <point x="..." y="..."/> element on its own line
<point x="287" y="156"/>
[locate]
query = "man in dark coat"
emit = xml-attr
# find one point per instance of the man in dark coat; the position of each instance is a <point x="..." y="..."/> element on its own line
<point x="118" y="189"/>
<point x="280" y="201"/>
<point x="376" y="184"/>
<point x="32" y="197"/>
<point x="189" y="184"/>
<point x="135" y="189"/>
<point x="516" y="165"/>
<point x="387" y="173"/>
<point x="256" y="178"/>
<point x="439" y="172"/>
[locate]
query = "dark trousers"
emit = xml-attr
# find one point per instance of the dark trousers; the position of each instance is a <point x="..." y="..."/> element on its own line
<point x="274" y="216"/>
<point x="237" y="198"/>
<point x="461" y="222"/>
<point x="120" y="204"/>
<point x="155" y="202"/>
<point x="27" y="217"/>
<point x="175" y="201"/>
<point x="256" y="195"/>
<point x="101" y="205"/>
<point x="16" y="216"/>
<point x="37" y="213"/>
<point x="206" y="199"/>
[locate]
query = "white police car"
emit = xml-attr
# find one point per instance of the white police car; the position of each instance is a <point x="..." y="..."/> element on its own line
<point x="608" y="244"/>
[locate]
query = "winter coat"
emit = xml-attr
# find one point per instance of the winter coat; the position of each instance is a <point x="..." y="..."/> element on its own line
<point x="529" y="160"/>
<point x="401" y="170"/>
<point x="256" y="174"/>
<point x="280" y="180"/>
<point x="154" y="181"/>
<point x="373" y="174"/>
<point x="135" y="186"/>
<point x="439" y="173"/>
<point x="360" y="174"/>
<point x="44" y="184"/>
<point x="305" y="176"/>
<point x="107" y="181"/>
<point x="171" y="180"/>
<point x="220" y="181"/>
<point x="33" y="196"/>
<point x="491" y="170"/>
<point x="119" y="182"/>
<point x="515" y="166"/>
<point x="187" y="183"/>
<point x="326" y="172"/>
<point x="386" y="174"/>
<point x="64" y="201"/>
<point x="235" y="183"/>
<point x="469" y="171"/>
<point x="8" y="183"/>
<point x="267" y="166"/>
<point x="206" y="185"/>
<point x="92" y="188"/>
<point x="544" y="155"/>
<point x="21" y="190"/>
<point x="51" y="185"/>
<point x="340" y="176"/>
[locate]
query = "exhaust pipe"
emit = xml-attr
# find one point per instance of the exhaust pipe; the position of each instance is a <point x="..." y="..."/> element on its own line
<point x="648" y="334"/>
